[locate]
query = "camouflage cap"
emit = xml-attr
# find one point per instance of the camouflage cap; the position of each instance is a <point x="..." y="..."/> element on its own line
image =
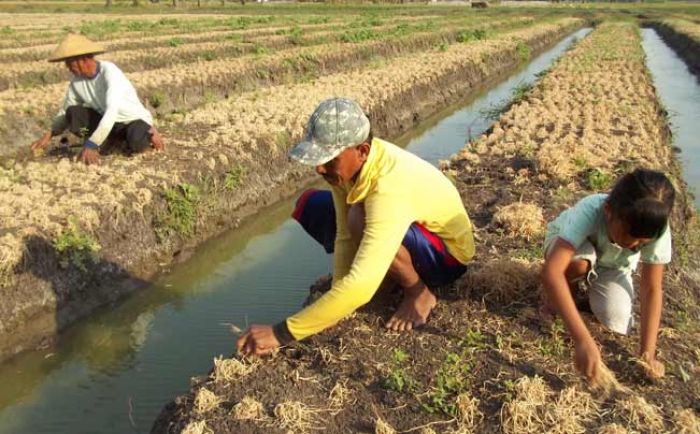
<point x="336" y="124"/>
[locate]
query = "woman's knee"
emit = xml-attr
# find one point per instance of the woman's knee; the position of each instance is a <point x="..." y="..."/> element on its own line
<point x="611" y="303"/>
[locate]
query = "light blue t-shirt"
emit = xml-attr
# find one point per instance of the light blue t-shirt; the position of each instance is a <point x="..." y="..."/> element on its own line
<point x="586" y="221"/>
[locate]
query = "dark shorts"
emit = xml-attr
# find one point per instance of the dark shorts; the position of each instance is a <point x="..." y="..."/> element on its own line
<point x="434" y="264"/>
<point x="83" y="121"/>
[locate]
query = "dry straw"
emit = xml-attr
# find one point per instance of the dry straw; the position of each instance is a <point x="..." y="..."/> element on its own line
<point x="523" y="414"/>
<point x="686" y="422"/>
<point x="231" y="369"/>
<point x="296" y="416"/>
<point x="205" y="401"/>
<point x="382" y="427"/>
<point x="606" y="384"/>
<point x="468" y="414"/>
<point x="248" y="409"/>
<point x="197" y="428"/>
<point x="339" y="395"/>
<point x="11" y="251"/>
<point x="504" y="279"/>
<point x="520" y="219"/>
<point x="612" y="428"/>
<point x="573" y="407"/>
<point x="639" y="415"/>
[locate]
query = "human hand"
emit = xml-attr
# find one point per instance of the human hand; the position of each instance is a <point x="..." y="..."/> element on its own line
<point x="587" y="359"/>
<point x="257" y="340"/>
<point x="157" y="141"/>
<point x="41" y="142"/>
<point x="89" y="156"/>
<point x="653" y="368"/>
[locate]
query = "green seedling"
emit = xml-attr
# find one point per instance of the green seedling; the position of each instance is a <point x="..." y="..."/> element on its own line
<point x="234" y="178"/>
<point x="598" y="180"/>
<point x="182" y="211"/>
<point x="75" y="246"/>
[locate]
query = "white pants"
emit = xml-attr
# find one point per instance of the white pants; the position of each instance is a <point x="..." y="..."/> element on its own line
<point x="610" y="292"/>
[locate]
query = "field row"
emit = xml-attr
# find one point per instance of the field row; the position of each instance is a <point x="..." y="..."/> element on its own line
<point x="105" y="28"/>
<point x="685" y="27"/>
<point x="183" y="49"/>
<point x="598" y="105"/>
<point x="588" y="113"/>
<point x="131" y="41"/>
<point x="184" y="86"/>
<point x="265" y="120"/>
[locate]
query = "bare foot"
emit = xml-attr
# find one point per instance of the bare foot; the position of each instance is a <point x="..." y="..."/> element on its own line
<point x="413" y="310"/>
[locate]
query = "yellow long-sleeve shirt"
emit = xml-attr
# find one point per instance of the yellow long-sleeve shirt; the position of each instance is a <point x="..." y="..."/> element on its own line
<point x="397" y="188"/>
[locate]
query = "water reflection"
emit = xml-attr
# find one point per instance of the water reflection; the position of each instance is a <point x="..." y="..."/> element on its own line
<point x="679" y="92"/>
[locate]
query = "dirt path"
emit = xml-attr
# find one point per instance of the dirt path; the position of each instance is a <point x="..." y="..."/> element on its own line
<point x="485" y="362"/>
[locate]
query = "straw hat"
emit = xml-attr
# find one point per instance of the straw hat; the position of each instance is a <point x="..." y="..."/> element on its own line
<point x="75" y="45"/>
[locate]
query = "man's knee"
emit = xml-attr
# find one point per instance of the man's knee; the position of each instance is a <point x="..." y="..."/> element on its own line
<point x="81" y="120"/>
<point x="356" y="221"/>
<point x="138" y="136"/>
<point x="611" y="303"/>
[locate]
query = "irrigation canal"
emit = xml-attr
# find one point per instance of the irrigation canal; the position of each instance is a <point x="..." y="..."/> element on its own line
<point x="113" y="372"/>
<point x="679" y="92"/>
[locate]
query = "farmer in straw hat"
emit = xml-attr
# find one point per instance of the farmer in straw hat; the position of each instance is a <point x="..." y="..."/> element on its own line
<point x="100" y="102"/>
<point x="388" y="213"/>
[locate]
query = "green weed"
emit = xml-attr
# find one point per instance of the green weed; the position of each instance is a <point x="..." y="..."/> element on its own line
<point x="209" y="96"/>
<point x="260" y="49"/>
<point x="531" y="252"/>
<point x="7" y="31"/>
<point x="75" y="246"/>
<point x="452" y="379"/>
<point x="234" y="178"/>
<point x="319" y="20"/>
<point x="453" y="376"/>
<point x="174" y="42"/>
<point x="136" y="25"/>
<point x="473" y="340"/>
<point x="239" y="23"/>
<point x="358" y="35"/>
<point x="471" y="35"/>
<point x="182" y="211"/>
<point x="509" y="388"/>
<point x="283" y="139"/>
<point x="208" y="56"/>
<point x="442" y="46"/>
<point x="398" y="379"/>
<point x="518" y="94"/>
<point x="99" y="29"/>
<point x="157" y="98"/>
<point x="524" y="52"/>
<point x="598" y="180"/>
<point x="296" y="36"/>
<point x="263" y="73"/>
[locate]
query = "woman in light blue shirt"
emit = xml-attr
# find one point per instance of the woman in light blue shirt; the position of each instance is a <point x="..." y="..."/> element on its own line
<point x="599" y="242"/>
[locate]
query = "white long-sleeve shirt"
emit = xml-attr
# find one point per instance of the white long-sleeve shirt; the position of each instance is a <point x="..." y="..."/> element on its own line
<point x="109" y="93"/>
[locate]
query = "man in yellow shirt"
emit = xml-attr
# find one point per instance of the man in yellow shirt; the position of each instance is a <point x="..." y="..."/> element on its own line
<point x="389" y="213"/>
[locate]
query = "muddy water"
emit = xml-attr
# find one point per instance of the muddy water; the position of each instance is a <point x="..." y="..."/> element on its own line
<point x="679" y="91"/>
<point x="114" y="372"/>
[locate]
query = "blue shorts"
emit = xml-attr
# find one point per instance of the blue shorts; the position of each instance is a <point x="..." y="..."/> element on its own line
<point x="434" y="264"/>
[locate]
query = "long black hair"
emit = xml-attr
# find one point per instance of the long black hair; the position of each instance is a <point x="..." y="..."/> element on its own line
<point x="643" y="200"/>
